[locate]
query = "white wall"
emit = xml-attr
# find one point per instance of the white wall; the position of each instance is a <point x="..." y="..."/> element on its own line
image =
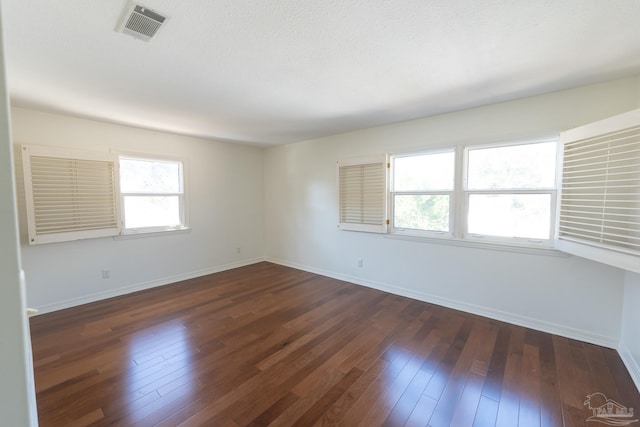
<point x="565" y="295"/>
<point x="17" y="393"/>
<point x="630" y="340"/>
<point x="225" y="203"/>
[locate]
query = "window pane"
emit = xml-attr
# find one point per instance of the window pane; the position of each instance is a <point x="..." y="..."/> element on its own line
<point x="510" y="215"/>
<point x="150" y="176"/>
<point x="516" y="166"/>
<point x="151" y="211"/>
<point x="421" y="212"/>
<point x="424" y="172"/>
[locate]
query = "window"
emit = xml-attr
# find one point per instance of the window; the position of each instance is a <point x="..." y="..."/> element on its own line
<point x="69" y="194"/>
<point x="422" y="192"/>
<point x="600" y="198"/>
<point x="74" y="194"/>
<point x="498" y="193"/>
<point x="510" y="191"/>
<point x="152" y="194"/>
<point x="363" y="194"/>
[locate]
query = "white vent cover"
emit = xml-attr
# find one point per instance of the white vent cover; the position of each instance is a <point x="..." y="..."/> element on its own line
<point x="141" y="22"/>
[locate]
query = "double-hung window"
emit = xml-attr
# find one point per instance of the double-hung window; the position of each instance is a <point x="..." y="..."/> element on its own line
<point x="491" y="193"/>
<point x="74" y="194"/>
<point x="152" y="194"/>
<point x="510" y="192"/>
<point x="422" y="193"/>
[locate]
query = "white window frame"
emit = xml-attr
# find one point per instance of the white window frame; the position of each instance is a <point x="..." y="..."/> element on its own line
<point x="605" y="253"/>
<point x="467" y="193"/>
<point x="453" y="197"/>
<point x="34" y="237"/>
<point x="459" y="200"/>
<point x="81" y="222"/>
<point x="377" y="205"/>
<point x="181" y="195"/>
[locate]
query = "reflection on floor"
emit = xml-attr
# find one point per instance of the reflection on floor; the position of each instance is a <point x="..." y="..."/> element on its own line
<point x="269" y="345"/>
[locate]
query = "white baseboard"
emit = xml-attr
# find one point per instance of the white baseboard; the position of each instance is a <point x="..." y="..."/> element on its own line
<point x="516" y="319"/>
<point x="632" y="364"/>
<point x="73" y="302"/>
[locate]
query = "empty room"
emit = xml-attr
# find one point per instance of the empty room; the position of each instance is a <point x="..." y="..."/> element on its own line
<point x="314" y="213"/>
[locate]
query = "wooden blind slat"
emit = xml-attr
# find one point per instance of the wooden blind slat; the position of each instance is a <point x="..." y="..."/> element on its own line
<point x="70" y="194"/>
<point x="600" y="202"/>
<point x="362" y="194"/>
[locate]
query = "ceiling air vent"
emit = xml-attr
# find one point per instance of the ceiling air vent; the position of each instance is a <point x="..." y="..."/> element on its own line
<point x="141" y="22"/>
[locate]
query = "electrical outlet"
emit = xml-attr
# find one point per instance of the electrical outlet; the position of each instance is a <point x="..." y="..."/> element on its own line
<point x="106" y="274"/>
<point x="238" y="251"/>
<point x="360" y="263"/>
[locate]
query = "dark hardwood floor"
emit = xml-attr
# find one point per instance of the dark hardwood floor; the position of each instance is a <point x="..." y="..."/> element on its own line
<point x="269" y="345"/>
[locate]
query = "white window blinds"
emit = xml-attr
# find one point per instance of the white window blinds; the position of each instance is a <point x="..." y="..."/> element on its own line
<point x="600" y="198"/>
<point x="70" y="194"/>
<point x="362" y="189"/>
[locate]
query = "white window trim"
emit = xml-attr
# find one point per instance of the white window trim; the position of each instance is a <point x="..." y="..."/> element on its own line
<point x="147" y="234"/>
<point x="184" y="216"/>
<point x="378" y="159"/>
<point x="521" y="241"/>
<point x="66" y="153"/>
<point x="551" y="191"/>
<point x="112" y="157"/>
<point x="453" y="198"/>
<point x="617" y="257"/>
<point x="467" y="243"/>
<point x="459" y="203"/>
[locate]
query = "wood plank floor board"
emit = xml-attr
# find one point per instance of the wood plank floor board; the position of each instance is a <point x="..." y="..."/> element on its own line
<point x="509" y="407"/>
<point x="270" y="345"/>
<point x="396" y="361"/>
<point x="319" y="399"/>
<point x="274" y="411"/>
<point x="335" y="412"/>
<point x="454" y="348"/>
<point x="486" y="413"/>
<point x="629" y="395"/>
<point x="360" y="339"/>
<point x="467" y="405"/>
<point x="467" y="348"/>
<point x="293" y="364"/>
<point x="529" y="412"/>
<point x="570" y="398"/>
<point x="550" y="399"/>
<point x="407" y="402"/>
<point x="387" y="401"/>
<point x="422" y="412"/>
<point x="331" y="347"/>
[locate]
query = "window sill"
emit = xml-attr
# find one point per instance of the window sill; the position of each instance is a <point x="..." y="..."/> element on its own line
<point x="503" y="247"/>
<point x="155" y="233"/>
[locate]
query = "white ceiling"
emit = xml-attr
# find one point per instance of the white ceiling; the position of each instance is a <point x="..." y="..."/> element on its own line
<point x="278" y="71"/>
